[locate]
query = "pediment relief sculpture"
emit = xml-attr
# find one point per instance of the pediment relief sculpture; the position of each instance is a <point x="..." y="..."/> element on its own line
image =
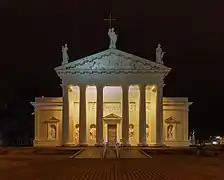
<point x="114" y="62"/>
<point x="113" y="59"/>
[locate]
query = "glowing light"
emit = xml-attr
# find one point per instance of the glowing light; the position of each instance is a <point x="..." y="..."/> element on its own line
<point x="214" y="142"/>
<point x="153" y="88"/>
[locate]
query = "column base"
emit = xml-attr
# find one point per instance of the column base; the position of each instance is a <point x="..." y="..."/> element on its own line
<point x="99" y="145"/>
<point x="158" y="145"/>
<point x="143" y="145"/>
<point x="125" y="145"/>
<point x="68" y="145"/>
<point x="82" y="145"/>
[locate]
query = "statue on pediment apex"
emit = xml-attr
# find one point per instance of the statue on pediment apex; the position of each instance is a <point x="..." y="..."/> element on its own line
<point x="159" y="54"/>
<point x="113" y="38"/>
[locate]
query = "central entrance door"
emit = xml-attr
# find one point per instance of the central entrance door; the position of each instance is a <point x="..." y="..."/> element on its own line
<point x="112" y="134"/>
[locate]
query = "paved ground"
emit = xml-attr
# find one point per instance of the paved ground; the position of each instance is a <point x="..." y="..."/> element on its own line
<point x="60" y="167"/>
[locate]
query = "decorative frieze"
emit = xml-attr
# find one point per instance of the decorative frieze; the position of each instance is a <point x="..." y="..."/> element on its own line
<point x="111" y="107"/>
<point x="132" y="106"/>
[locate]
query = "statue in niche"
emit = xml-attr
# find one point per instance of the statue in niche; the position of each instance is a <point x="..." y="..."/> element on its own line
<point x="77" y="132"/>
<point x="92" y="131"/>
<point x="65" y="56"/>
<point x="52" y="131"/>
<point x="113" y="38"/>
<point x="170" y="132"/>
<point x="159" y="54"/>
<point x="131" y="131"/>
<point x="147" y="131"/>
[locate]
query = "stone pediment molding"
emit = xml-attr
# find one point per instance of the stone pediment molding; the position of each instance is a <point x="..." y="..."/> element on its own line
<point x="52" y="119"/>
<point x="112" y="116"/>
<point x="171" y="120"/>
<point x="111" y="61"/>
<point x="112" y="119"/>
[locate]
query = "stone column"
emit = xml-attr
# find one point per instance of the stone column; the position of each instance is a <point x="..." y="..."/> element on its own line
<point x="159" y="115"/>
<point x="65" y="115"/>
<point x="185" y="125"/>
<point x="142" y="115"/>
<point x="37" y="128"/>
<point x="99" y="115"/>
<point x="82" y="115"/>
<point x="125" y="115"/>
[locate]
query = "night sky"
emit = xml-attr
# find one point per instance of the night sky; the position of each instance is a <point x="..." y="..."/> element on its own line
<point x="191" y="34"/>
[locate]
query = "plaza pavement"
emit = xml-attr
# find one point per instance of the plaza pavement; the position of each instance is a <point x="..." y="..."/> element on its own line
<point x="22" y="166"/>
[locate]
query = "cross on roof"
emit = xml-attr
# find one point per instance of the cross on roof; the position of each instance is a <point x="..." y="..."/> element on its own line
<point x="110" y="19"/>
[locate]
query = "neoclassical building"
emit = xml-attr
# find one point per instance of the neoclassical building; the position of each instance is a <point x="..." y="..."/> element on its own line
<point x="111" y="96"/>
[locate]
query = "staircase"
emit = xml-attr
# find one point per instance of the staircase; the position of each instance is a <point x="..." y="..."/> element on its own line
<point x="110" y="152"/>
<point x="91" y="152"/>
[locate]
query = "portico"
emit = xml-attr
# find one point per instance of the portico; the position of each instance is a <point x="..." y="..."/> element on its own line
<point x="111" y="118"/>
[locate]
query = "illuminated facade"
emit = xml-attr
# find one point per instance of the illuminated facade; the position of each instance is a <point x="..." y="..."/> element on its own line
<point x="111" y="96"/>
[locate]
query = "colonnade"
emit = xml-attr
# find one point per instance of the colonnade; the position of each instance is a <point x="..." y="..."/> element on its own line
<point x="66" y="137"/>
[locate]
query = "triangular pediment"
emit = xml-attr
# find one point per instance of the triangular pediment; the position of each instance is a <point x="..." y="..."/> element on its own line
<point x="171" y="120"/>
<point x="112" y="60"/>
<point x="52" y="119"/>
<point x="112" y="116"/>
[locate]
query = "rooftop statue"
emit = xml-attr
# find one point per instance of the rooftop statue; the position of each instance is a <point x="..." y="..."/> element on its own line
<point x="159" y="54"/>
<point x="113" y="38"/>
<point x="65" y="56"/>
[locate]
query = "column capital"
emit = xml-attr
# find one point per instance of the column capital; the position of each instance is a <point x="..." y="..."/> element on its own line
<point x="100" y="86"/>
<point x="160" y="83"/>
<point x="125" y="87"/>
<point x="65" y="85"/>
<point x="142" y="86"/>
<point x="82" y="86"/>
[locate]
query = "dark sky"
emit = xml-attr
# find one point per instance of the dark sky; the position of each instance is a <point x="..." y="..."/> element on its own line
<point x="192" y="34"/>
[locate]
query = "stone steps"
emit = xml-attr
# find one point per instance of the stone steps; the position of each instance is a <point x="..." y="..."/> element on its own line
<point x="131" y="153"/>
<point x="91" y="152"/>
<point x="111" y="153"/>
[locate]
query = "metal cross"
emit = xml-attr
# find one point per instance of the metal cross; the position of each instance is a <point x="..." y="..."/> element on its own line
<point x="110" y="19"/>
